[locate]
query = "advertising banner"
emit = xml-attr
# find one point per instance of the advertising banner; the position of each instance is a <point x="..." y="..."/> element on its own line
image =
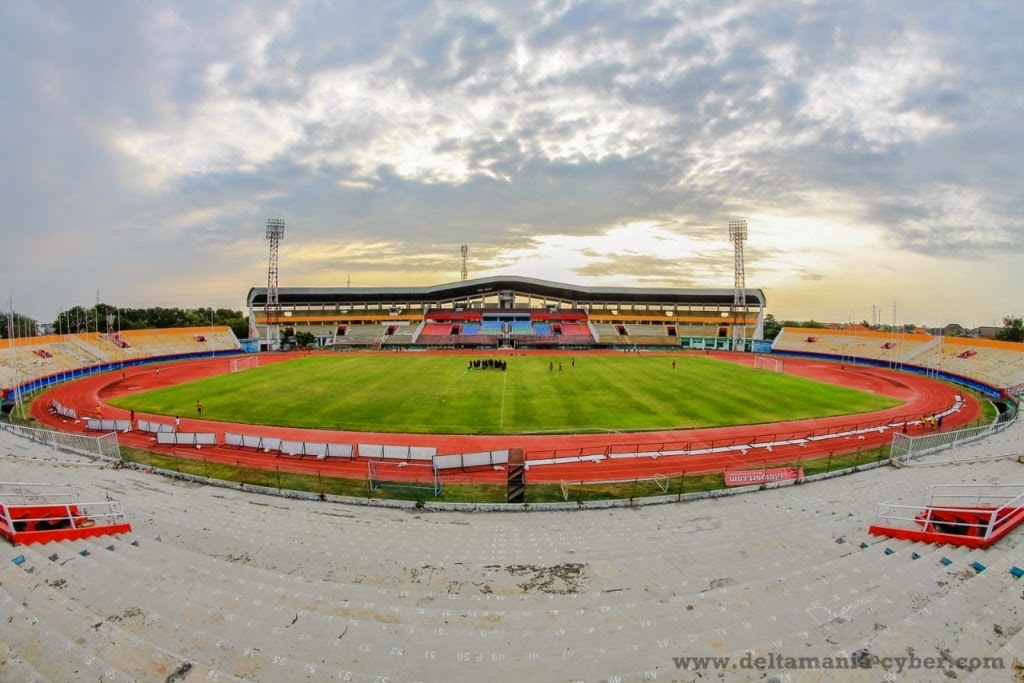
<point x="748" y="477"/>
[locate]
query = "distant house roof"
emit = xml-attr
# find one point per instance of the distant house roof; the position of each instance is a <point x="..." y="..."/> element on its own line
<point x="985" y="331"/>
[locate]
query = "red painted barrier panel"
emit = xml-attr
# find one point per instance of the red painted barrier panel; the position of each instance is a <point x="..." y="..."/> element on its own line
<point x="43" y="523"/>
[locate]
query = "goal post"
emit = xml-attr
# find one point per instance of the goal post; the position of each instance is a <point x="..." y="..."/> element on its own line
<point x="403" y="475"/>
<point x="767" y="363"/>
<point x="244" y="363"/>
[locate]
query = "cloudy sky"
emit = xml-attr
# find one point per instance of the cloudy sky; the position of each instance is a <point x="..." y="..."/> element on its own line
<point x="874" y="149"/>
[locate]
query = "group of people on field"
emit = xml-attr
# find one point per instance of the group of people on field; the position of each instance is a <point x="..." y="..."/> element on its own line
<point x="486" y="363"/>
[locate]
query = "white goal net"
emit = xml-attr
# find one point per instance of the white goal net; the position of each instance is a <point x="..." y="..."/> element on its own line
<point x="766" y="363"/>
<point x="245" y="363"/>
<point x="403" y="475"/>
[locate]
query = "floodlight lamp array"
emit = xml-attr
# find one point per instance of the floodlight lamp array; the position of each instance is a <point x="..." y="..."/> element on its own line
<point x="738" y="230"/>
<point x="275" y="228"/>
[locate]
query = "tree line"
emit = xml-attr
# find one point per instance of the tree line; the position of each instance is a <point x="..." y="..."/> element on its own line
<point x="1012" y="329"/>
<point x="104" y="318"/>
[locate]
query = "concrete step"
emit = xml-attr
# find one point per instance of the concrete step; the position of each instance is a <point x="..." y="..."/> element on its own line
<point x="110" y="639"/>
<point x="49" y="641"/>
<point x="14" y="668"/>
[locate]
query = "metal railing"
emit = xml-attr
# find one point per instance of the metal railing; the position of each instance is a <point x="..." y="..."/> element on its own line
<point x="36" y="492"/>
<point x="942" y="499"/>
<point x="906" y="448"/>
<point x="105" y="446"/>
<point x="75" y="516"/>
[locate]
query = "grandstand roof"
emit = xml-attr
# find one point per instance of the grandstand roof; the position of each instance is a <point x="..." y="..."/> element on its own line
<point x="456" y="291"/>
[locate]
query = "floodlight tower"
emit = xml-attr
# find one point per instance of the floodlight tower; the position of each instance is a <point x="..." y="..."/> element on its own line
<point x="465" y="262"/>
<point x="738" y="233"/>
<point x="275" y="233"/>
<point x="16" y="387"/>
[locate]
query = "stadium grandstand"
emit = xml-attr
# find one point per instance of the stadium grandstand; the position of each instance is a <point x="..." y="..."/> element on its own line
<point x="993" y="367"/>
<point x="509" y="312"/>
<point x="30" y="363"/>
<point x="218" y="583"/>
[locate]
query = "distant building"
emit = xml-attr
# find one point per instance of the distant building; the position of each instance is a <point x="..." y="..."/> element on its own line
<point x="984" y="332"/>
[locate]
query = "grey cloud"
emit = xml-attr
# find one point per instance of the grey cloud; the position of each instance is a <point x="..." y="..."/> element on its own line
<point x="653" y="270"/>
<point x="75" y="78"/>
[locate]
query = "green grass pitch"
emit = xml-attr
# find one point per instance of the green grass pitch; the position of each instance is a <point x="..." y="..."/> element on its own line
<point x="438" y="393"/>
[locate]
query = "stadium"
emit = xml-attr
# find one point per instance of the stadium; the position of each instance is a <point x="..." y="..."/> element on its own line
<point x="607" y="449"/>
<point x="512" y="312"/>
<point x="632" y="331"/>
<point x="730" y="551"/>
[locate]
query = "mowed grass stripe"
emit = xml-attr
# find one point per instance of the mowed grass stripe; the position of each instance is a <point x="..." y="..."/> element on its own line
<point x="427" y="393"/>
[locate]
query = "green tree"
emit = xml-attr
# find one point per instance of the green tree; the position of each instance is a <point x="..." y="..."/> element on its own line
<point x="772" y="327"/>
<point x="803" y="323"/>
<point x="238" y="324"/>
<point x="304" y="338"/>
<point x="106" y="318"/>
<point x="72" y="321"/>
<point x="17" y="325"/>
<point x="1013" y="329"/>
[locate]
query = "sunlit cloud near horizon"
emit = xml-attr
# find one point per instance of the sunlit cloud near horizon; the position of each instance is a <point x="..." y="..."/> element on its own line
<point x="873" y="149"/>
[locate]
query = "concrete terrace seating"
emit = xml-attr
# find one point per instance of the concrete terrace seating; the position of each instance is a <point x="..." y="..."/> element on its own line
<point x="435" y="334"/>
<point x="73" y="355"/>
<point x="524" y="334"/>
<point x="880" y="346"/>
<point x="359" y="335"/>
<point x="470" y="340"/>
<point x="35" y="357"/>
<point x="988" y="366"/>
<point x="574" y="329"/>
<point x="475" y="339"/>
<point x="609" y="334"/>
<point x="270" y="589"/>
<point x="691" y="330"/>
<point x="436" y="329"/>
<point x="652" y="335"/>
<point x="397" y="334"/>
<point x="21" y="363"/>
<point x="167" y="342"/>
<point x="573" y="334"/>
<point x="994" y="362"/>
<point x="999" y="364"/>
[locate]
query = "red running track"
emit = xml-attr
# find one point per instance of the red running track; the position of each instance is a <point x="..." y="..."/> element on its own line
<point x="920" y="396"/>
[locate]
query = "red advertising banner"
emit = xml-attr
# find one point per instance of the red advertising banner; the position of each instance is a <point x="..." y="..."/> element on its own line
<point x="748" y="477"/>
